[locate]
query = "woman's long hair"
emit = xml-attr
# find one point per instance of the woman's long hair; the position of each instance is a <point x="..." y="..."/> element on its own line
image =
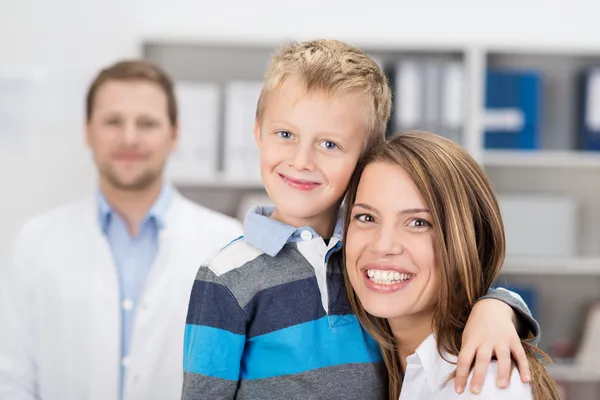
<point x="468" y="238"/>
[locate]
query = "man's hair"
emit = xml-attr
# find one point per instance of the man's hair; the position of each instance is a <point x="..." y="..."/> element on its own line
<point x="337" y="69"/>
<point x="133" y="70"/>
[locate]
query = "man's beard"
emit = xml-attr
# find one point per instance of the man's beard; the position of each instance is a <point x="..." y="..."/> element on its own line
<point x="141" y="182"/>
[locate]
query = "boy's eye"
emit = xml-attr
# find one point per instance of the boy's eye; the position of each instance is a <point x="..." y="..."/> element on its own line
<point x="284" y="134"/>
<point x="329" y="145"/>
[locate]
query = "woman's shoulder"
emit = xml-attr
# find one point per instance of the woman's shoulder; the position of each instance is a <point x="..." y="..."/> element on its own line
<point x="516" y="390"/>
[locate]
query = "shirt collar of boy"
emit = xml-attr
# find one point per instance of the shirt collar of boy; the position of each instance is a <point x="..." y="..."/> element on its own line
<point x="269" y="235"/>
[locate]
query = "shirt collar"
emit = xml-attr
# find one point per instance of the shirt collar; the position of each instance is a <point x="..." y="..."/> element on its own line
<point x="269" y="235"/>
<point x="157" y="212"/>
<point x="437" y="369"/>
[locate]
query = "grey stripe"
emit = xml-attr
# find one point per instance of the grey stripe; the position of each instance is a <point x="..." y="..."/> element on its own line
<point x="265" y="272"/>
<point x="205" y="274"/>
<point x="197" y="387"/>
<point x="363" y="381"/>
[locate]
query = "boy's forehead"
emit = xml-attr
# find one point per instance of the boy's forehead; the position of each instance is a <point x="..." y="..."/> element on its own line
<point x="315" y="108"/>
<point x="291" y="93"/>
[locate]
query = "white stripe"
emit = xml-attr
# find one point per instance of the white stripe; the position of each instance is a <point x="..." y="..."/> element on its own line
<point x="233" y="256"/>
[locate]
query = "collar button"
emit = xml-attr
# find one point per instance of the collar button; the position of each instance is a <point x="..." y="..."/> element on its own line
<point x="306" y="235"/>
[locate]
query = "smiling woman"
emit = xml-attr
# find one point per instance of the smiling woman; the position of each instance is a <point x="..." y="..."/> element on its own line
<point x="424" y="241"/>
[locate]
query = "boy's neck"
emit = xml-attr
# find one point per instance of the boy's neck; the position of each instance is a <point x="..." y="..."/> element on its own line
<point x="322" y="224"/>
<point x="409" y="333"/>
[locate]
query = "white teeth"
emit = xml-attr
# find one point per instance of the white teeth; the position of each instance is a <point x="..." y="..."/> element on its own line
<point x="385" y="277"/>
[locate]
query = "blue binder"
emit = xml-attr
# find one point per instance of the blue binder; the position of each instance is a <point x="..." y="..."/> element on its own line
<point x="513" y="93"/>
<point x="588" y="135"/>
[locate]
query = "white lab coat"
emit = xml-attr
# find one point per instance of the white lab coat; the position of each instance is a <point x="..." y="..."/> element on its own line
<point x="60" y="314"/>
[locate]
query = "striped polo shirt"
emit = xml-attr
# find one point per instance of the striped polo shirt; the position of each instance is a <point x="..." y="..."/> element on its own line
<point x="269" y="319"/>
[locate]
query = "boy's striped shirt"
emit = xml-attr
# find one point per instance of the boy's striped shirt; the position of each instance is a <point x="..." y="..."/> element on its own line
<point x="268" y="318"/>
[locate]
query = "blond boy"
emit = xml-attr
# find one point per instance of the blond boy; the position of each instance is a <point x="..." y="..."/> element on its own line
<point x="268" y="317"/>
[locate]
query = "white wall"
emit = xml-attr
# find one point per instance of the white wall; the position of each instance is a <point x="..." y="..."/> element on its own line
<point x="72" y="37"/>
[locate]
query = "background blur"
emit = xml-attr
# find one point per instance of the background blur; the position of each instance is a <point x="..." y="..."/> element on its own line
<point x="516" y="82"/>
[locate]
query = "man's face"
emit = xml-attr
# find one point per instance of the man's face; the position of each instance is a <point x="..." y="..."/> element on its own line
<point x="130" y="134"/>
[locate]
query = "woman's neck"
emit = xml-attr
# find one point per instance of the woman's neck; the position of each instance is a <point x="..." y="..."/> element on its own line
<point x="409" y="333"/>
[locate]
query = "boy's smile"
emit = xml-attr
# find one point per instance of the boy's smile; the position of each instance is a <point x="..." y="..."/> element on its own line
<point x="300" y="184"/>
<point x="309" y="145"/>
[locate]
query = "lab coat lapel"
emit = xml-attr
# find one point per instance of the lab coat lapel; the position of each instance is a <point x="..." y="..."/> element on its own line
<point x="105" y="329"/>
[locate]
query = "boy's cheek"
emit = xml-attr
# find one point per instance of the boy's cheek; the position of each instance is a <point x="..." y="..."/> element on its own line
<point x="340" y="177"/>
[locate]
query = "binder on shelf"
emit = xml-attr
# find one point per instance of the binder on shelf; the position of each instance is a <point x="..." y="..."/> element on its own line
<point x="453" y="106"/>
<point x="408" y="95"/>
<point x="428" y="95"/>
<point x="242" y="159"/>
<point x="432" y="98"/>
<point x="588" y="109"/>
<point x="196" y="156"/>
<point x="513" y="109"/>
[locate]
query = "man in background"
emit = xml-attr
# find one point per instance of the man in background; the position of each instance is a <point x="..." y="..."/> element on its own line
<point x="95" y="301"/>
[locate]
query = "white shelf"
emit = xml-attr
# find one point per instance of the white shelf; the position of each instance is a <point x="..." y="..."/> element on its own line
<point x="551" y="266"/>
<point x="271" y="42"/>
<point x="219" y="182"/>
<point x="542" y="158"/>
<point x="573" y="373"/>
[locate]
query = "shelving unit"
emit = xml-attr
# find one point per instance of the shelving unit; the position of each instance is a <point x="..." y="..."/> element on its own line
<point x="564" y="284"/>
<point x="568" y="159"/>
<point x="573" y="374"/>
<point x="541" y="266"/>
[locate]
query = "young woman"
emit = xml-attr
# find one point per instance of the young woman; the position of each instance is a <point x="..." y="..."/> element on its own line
<point x="424" y="240"/>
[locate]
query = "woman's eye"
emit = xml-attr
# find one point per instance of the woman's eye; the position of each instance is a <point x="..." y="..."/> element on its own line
<point x="364" y="218"/>
<point x="284" y="134"/>
<point x="420" y="223"/>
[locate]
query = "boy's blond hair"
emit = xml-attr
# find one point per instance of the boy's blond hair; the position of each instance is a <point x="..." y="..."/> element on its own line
<point x="338" y="69"/>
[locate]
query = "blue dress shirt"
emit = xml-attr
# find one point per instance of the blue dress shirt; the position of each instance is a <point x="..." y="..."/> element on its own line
<point x="133" y="258"/>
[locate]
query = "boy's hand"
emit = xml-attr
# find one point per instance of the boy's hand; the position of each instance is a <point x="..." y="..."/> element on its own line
<point x="490" y="331"/>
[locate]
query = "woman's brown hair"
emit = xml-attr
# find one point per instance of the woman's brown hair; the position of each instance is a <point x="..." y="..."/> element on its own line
<point x="468" y="238"/>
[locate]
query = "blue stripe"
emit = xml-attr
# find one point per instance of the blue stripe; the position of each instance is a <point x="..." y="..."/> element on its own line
<point x="335" y="248"/>
<point x="232" y="242"/>
<point x="309" y="346"/>
<point x="338" y="299"/>
<point x="213" y="305"/>
<point x="286" y="305"/>
<point x="283" y="306"/>
<point x="212" y="352"/>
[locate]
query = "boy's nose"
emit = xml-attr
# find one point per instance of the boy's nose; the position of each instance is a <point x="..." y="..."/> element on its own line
<point x="303" y="160"/>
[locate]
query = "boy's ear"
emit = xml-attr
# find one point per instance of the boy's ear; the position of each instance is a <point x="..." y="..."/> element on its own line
<point x="257" y="135"/>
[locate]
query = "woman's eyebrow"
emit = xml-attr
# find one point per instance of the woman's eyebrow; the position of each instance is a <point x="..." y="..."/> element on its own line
<point x="413" y="210"/>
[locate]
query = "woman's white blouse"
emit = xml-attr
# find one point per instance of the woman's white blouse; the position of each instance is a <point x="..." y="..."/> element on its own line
<point x="427" y="373"/>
